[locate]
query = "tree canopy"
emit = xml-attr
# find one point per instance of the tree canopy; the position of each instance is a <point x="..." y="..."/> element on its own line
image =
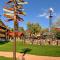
<point x="34" y="27"/>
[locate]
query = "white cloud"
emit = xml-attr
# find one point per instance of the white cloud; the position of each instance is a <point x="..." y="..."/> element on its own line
<point x="43" y="15"/>
<point x="46" y="14"/>
<point x="47" y="17"/>
<point x="54" y="14"/>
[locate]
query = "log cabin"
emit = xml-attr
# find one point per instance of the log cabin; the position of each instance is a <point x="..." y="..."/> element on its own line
<point x="3" y="31"/>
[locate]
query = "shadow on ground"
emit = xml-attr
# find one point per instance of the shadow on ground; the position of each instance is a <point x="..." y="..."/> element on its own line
<point x="25" y="50"/>
<point x="3" y="42"/>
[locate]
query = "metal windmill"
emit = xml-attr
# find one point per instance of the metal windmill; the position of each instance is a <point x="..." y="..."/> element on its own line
<point x="50" y="12"/>
<point x="12" y="12"/>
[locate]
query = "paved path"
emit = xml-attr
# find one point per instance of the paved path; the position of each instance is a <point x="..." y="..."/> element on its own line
<point x="28" y="56"/>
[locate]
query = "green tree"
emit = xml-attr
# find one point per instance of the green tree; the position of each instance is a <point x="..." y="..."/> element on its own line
<point x="56" y="32"/>
<point x="12" y="29"/>
<point x="21" y="29"/>
<point x="56" y="25"/>
<point x="35" y="28"/>
<point x="57" y="22"/>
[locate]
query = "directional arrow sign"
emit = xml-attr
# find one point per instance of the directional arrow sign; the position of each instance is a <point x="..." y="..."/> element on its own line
<point x="8" y="10"/>
<point x="9" y="14"/>
<point x="23" y="3"/>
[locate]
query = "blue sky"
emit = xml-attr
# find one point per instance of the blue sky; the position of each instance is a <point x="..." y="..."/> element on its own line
<point x="34" y="10"/>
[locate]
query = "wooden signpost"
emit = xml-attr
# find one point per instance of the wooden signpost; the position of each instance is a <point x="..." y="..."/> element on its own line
<point x="11" y="13"/>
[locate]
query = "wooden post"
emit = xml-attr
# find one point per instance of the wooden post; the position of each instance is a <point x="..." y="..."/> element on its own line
<point x="15" y="29"/>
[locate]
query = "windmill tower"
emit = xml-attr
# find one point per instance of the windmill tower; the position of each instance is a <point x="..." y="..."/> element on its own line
<point x="12" y="12"/>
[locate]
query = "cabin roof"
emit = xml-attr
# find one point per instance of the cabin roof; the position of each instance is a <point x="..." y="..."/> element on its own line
<point x="2" y="25"/>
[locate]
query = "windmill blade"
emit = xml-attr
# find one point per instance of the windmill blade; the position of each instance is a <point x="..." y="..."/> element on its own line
<point x="6" y="10"/>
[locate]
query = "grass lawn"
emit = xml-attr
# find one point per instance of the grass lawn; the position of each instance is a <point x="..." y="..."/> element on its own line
<point x="4" y="58"/>
<point x="35" y="49"/>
